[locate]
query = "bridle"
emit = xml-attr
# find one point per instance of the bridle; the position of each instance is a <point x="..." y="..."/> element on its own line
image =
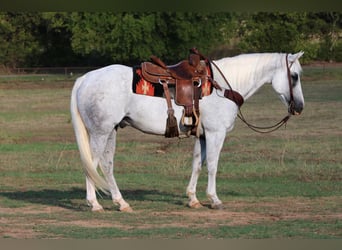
<point x="291" y="103"/>
<point x="266" y="129"/>
<point x="238" y="99"/>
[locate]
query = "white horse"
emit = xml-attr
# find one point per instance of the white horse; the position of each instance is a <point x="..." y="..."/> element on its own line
<point x="102" y="101"/>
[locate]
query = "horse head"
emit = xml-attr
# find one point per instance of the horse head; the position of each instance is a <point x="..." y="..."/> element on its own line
<point x="286" y="82"/>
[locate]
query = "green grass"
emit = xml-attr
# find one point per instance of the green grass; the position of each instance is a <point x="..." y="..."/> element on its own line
<point x="281" y="185"/>
<point x="36" y="78"/>
<point x="326" y="72"/>
<point x="294" y="229"/>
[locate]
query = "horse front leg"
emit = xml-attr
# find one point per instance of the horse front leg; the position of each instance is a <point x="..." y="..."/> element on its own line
<point x="199" y="156"/>
<point x="214" y="144"/>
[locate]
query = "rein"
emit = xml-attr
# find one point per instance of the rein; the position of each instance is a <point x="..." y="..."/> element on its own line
<point x="259" y="129"/>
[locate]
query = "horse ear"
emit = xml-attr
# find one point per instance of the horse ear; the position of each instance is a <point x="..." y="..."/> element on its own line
<point x="294" y="57"/>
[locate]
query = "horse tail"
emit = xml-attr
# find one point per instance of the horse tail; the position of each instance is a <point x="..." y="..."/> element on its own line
<point x="82" y="138"/>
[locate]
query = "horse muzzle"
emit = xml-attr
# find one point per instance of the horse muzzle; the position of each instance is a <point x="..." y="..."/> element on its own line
<point x="295" y="108"/>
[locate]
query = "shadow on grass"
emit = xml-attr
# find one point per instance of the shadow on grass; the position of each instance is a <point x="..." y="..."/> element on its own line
<point x="74" y="199"/>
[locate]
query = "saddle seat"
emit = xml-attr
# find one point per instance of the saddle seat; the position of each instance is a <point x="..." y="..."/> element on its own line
<point x="184" y="70"/>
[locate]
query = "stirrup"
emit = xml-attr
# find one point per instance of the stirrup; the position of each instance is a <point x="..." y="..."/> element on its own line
<point x="186" y="120"/>
<point x="192" y="121"/>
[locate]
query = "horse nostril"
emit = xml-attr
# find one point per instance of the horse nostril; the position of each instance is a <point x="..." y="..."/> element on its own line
<point x="291" y="109"/>
<point x="295" y="108"/>
<point x="298" y="109"/>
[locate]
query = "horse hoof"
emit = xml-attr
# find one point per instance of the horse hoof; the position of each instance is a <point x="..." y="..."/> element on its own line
<point x="126" y="209"/>
<point x="217" y="206"/>
<point x="195" y="205"/>
<point x="97" y="210"/>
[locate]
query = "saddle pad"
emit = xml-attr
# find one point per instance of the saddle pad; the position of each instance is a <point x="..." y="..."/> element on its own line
<point x="143" y="87"/>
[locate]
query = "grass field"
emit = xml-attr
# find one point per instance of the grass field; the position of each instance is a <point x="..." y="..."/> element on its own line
<point x="287" y="184"/>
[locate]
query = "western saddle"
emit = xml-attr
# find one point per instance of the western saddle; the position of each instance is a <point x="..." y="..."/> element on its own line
<point x="186" y="77"/>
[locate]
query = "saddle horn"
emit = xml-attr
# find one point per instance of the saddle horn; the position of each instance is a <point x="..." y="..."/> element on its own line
<point x="159" y="62"/>
<point x="195" y="51"/>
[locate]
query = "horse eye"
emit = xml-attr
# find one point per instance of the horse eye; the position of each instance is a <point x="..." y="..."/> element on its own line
<point x="294" y="77"/>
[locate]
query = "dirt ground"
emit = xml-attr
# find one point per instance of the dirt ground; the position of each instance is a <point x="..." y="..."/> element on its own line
<point x="235" y="213"/>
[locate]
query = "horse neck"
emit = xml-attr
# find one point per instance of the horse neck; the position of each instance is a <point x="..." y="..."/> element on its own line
<point x="247" y="73"/>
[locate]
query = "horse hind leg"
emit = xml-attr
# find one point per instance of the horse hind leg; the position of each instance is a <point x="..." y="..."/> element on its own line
<point x="97" y="146"/>
<point x="91" y="191"/>
<point x="91" y="196"/>
<point x="107" y="166"/>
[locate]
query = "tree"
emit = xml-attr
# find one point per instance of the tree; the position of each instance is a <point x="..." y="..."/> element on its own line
<point x="330" y="31"/>
<point x="317" y="33"/>
<point x="132" y="37"/>
<point x="186" y="30"/>
<point x="18" y="46"/>
<point x="55" y="40"/>
<point x="117" y="37"/>
<point x="271" y="32"/>
<point x="102" y="38"/>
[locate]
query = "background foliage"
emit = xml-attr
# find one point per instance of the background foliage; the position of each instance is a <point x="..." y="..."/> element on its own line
<point x="100" y="38"/>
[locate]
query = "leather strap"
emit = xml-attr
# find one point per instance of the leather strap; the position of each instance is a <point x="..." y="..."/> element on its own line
<point x="234" y="96"/>
<point x="291" y="104"/>
<point x="168" y="98"/>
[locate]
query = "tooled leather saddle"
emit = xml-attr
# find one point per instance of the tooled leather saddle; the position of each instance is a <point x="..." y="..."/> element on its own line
<point x="187" y="78"/>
